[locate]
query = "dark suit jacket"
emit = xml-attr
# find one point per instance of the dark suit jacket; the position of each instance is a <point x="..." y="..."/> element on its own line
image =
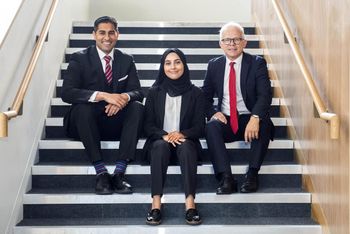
<point x="192" y="118"/>
<point x="85" y="76"/>
<point x="255" y="85"/>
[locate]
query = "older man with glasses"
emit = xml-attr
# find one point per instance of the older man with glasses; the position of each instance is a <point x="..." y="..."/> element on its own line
<point x="241" y="83"/>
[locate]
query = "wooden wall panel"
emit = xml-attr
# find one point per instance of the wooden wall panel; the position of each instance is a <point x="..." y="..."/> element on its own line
<point x="322" y="30"/>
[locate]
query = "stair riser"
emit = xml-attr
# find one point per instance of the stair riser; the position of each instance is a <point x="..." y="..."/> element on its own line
<point x="125" y="211"/>
<point x="144" y="89"/>
<point x="142" y="183"/>
<point x="238" y="156"/>
<point x="53" y="132"/>
<point x="165" y="30"/>
<point x="158" y="44"/>
<point x="156" y="58"/>
<point x="59" y="111"/>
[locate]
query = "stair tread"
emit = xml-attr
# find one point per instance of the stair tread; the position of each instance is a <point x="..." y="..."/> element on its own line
<point x="168" y="221"/>
<point x="90" y="190"/>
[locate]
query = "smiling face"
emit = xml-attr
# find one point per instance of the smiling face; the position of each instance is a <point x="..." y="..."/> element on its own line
<point x="106" y="37"/>
<point x="173" y="66"/>
<point x="232" y="49"/>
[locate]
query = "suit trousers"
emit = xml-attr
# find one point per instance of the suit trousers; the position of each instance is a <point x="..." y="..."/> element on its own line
<point x="160" y="154"/>
<point x="218" y="133"/>
<point x="90" y="124"/>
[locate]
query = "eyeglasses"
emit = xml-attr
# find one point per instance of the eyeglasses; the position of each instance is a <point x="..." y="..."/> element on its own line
<point x="235" y="41"/>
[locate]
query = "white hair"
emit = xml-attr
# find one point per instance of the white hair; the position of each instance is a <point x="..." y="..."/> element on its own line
<point x="231" y="24"/>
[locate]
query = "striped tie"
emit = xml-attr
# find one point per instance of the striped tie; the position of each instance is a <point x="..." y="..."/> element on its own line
<point x="108" y="71"/>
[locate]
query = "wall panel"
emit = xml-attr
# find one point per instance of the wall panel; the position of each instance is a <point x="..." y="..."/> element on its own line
<point x="322" y="31"/>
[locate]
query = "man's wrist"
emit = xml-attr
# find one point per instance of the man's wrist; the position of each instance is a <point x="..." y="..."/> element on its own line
<point x="256" y="117"/>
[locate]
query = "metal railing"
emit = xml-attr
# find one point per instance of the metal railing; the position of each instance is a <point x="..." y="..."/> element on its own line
<point x="320" y="106"/>
<point x="18" y="101"/>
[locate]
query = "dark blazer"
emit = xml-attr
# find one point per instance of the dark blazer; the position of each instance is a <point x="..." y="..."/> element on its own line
<point x="255" y="85"/>
<point x="192" y="118"/>
<point x="85" y="76"/>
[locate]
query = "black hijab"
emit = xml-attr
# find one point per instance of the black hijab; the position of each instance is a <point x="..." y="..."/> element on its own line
<point x="173" y="87"/>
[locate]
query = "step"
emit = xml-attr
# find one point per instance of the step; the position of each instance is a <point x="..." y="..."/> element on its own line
<point x="69" y="144"/>
<point x="54" y="128"/>
<point x="138" y="27"/>
<point x="153" y="55"/>
<point x="58" y="178"/>
<point x="155" y="41"/>
<point x="136" y="205"/>
<point x="109" y="226"/>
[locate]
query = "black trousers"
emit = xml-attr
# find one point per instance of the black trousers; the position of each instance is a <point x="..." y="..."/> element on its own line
<point x="218" y="133"/>
<point x="90" y="124"/>
<point x="160" y="155"/>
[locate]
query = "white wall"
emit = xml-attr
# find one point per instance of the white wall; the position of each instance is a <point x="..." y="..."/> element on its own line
<point x="173" y="10"/>
<point x="19" y="150"/>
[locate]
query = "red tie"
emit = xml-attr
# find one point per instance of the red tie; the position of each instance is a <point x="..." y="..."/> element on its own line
<point x="108" y="70"/>
<point x="233" y="99"/>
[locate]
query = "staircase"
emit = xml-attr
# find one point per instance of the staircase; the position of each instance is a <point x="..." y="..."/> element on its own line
<point x="62" y="198"/>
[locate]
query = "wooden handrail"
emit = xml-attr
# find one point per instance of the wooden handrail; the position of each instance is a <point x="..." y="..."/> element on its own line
<point x="320" y="106"/>
<point x="17" y="103"/>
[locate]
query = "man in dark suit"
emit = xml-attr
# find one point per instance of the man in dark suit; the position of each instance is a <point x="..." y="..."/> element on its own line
<point x="241" y="83"/>
<point x="104" y="89"/>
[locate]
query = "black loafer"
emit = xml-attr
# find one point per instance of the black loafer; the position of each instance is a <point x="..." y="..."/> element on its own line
<point x="154" y="217"/>
<point x="103" y="184"/>
<point x="250" y="184"/>
<point x="227" y="185"/>
<point x="192" y="217"/>
<point x="120" y="184"/>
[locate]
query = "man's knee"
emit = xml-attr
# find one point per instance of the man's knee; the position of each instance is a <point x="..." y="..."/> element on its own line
<point x="212" y="126"/>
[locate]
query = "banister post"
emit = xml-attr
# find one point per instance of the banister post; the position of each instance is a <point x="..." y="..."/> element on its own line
<point x="3" y="125"/>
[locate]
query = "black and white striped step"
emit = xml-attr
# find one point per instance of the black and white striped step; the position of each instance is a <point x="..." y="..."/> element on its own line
<point x="152" y="55"/>
<point x="159" y="41"/>
<point x="135" y="27"/>
<point x="54" y="128"/>
<point x="255" y="225"/>
<point x="49" y="179"/>
<point x="59" y="108"/>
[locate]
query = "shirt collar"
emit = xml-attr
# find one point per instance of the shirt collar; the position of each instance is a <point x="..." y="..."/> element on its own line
<point x="102" y="54"/>
<point x="238" y="60"/>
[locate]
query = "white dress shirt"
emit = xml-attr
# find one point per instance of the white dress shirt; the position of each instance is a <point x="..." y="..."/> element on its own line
<point x="172" y="113"/>
<point x="225" y="106"/>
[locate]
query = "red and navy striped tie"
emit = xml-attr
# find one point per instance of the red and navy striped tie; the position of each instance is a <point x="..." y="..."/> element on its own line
<point x="108" y="70"/>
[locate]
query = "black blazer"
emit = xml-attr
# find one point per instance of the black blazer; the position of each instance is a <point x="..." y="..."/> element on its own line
<point x="85" y="76"/>
<point x="192" y="118"/>
<point x="255" y="85"/>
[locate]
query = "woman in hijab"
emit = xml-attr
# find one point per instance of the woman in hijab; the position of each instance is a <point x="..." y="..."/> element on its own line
<point x="174" y="122"/>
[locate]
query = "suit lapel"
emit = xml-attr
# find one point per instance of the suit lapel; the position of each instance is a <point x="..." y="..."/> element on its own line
<point x="97" y="68"/>
<point x="161" y="106"/>
<point x="185" y="103"/>
<point x="221" y="77"/>
<point x="244" y="75"/>
<point x="115" y="70"/>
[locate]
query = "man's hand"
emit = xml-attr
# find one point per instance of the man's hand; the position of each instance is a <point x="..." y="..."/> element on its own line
<point x="175" y="138"/>
<point x="111" y="109"/>
<point x="120" y="100"/>
<point x="220" y="116"/>
<point x="252" y="129"/>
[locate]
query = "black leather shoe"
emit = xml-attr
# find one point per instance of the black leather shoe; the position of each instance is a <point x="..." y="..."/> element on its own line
<point x="192" y="217"/>
<point x="154" y="217"/>
<point x="103" y="184"/>
<point x="120" y="184"/>
<point x="228" y="185"/>
<point x="250" y="184"/>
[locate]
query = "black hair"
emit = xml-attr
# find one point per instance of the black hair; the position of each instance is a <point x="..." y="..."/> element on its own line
<point x="106" y="19"/>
